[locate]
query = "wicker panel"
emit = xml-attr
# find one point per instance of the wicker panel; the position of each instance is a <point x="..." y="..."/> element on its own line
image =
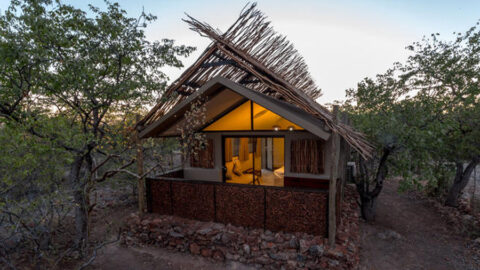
<point x="257" y="207"/>
<point x="160" y="197"/>
<point x="296" y="211"/>
<point x="239" y="205"/>
<point x="195" y="201"/>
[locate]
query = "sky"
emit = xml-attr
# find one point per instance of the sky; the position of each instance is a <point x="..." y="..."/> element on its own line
<point x="342" y="41"/>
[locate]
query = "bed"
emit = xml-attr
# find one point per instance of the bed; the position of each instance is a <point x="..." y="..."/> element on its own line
<point x="279" y="172"/>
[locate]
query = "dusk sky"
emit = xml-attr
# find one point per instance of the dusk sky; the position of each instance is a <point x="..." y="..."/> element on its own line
<point x="341" y="41"/>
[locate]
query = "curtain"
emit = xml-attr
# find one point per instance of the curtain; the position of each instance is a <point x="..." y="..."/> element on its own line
<point x="243" y="149"/>
<point x="258" y="147"/>
<point x="204" y="158"/>
<point x="307" y="156"/>
<point x="228" y="149"/>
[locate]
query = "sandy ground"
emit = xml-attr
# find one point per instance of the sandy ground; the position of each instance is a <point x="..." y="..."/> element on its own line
<point x="408" y="234"/>
<point x="149" y="258"/>
<point x="116" y="257"/>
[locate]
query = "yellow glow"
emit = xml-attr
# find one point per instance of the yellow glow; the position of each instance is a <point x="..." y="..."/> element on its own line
<point x="278" y="152"/>
<point x="238" y="119"/>
<point x="264" y="164"/>
<point x="264" y="119"/>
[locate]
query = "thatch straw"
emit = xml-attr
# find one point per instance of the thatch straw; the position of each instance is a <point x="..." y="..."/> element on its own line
<point x="251" y="53"/>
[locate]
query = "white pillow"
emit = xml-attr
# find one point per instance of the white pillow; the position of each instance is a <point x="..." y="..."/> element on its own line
<point x="237" y="168"/>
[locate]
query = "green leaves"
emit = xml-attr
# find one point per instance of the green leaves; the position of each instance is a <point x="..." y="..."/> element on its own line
<point x="70" y="82"/>
<point x="428" y="106"/>
<point x="80" y="70"/>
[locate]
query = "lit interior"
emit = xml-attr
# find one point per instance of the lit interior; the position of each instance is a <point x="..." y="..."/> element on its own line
<point x="238" y="119"/>
<point x="241" y="119"/>
<point x="264" y="119"/>
<point x="255" y="161"/>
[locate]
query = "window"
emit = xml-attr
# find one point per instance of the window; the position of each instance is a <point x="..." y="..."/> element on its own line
<point x="264" y="119"/>
<point x="238" y="119"/>
<point x="251" y="116"/>
<point x="254" y="160"/>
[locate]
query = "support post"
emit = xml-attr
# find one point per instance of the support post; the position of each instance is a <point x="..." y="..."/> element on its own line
<point x="343" y="160"/>
<point x="332" y="192"/>
<point x="141" y="180"/>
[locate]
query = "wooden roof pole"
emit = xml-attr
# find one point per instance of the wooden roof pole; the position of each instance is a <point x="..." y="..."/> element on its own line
<point x="281" y="89"/>
<point x="260" y="66"/>
<point x="185" y="75"/>
<point x="253" y="44"/>
<point x="177" y="83"/>
<point x="299" y="98"/>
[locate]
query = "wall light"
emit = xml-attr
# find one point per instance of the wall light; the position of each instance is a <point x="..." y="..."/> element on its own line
<point x="290" y="128"/>
<point x="276" y="128"/>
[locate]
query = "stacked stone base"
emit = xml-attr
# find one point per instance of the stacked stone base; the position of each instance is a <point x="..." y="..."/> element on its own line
<point x="258" y="247"/>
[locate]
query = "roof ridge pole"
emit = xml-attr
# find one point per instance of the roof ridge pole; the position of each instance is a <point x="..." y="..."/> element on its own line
<point x="332" y="189"/>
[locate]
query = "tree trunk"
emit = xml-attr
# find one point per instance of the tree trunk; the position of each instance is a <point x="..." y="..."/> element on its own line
<point x="368" y="208"/>
<point x="368" y="197"/>
<point x="141" y="180"/>
<point x="81" y="218"/>
<point x="460" y="182"/>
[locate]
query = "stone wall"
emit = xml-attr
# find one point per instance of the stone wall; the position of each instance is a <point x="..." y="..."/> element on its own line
<point x="271" y="208"/>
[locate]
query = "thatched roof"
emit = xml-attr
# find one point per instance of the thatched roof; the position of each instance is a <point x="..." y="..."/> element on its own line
<point x="252" y="54"/>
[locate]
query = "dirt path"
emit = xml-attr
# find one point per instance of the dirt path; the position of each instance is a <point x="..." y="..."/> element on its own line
<point x="116" y="257"/>
<point x="150" y="258"/>
<point x="408" y="234"/>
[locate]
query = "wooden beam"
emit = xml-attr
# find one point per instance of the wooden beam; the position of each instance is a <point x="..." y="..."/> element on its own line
<point x="250" y="81"/>
<point x="141" y="180"/>
<point x="182" y="92"/>
<point x="192" y="84"/>
<point x="218" y="63"/>
<point x="332" y="191"/>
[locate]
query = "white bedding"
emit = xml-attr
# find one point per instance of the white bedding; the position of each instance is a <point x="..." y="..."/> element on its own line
<point x="279" y="172"/>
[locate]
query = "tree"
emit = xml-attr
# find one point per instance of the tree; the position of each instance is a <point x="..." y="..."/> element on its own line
<point x="374" y="109"/>
<point x="426" y="110"/>
<point x="60" y="64"/>
<point x="32" y="218"/>
<point x="446" y="75"/>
